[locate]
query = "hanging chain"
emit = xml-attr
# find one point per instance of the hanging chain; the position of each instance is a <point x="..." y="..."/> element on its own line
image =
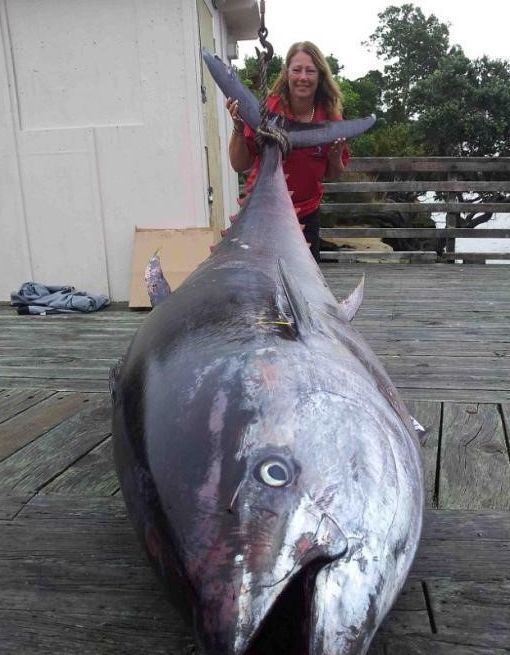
<point x="264" y="131"/>
<point x="264" y="58"/>
<point x="262" y="32"/>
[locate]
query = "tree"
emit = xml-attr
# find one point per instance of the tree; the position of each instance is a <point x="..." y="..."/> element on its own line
<point x="463" y="108"/>
<point x="362" y="96"/>
<point x="413" y="45"/>
<point x="388" y="140"/>
<point x="250" y="74"/>
<point x="334" y="65"/>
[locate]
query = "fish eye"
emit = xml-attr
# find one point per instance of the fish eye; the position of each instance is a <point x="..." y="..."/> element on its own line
<point x="274" y="473"/>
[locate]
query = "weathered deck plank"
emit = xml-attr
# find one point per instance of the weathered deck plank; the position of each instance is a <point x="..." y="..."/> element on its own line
<point x="15" y="401"/>
<point x="475" y="468"/>
<point x="10" y="505"/>
<point x="65" y="384"/>
<point x="455" y="605"/>
<point x="38" y="419"/>
<point x="72" y="577"/>
<point x="440" y="330"/>
<point x="92" y="475"/>
<point x="31" y="467"/>
<point x="86" y="584"/>
<point x="432" y="645"/>
<point x="454" y="395"/>
<point x="483" y="606"/>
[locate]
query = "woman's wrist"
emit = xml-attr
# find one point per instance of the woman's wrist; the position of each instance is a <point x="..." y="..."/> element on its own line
<point x="238" y="126"/>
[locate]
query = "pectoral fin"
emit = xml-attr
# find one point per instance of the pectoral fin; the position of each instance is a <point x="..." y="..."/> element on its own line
<point x="157" y="286"/>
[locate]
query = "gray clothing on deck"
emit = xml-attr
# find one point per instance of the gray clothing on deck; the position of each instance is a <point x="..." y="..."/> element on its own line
<point x="34" y="298"/>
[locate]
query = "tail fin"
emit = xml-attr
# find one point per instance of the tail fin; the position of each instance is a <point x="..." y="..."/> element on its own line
<point x="232" y="87"/>
<point x="301" y="135"/>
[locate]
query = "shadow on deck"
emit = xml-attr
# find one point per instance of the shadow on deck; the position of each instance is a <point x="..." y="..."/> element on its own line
<point x="72" y="578"/>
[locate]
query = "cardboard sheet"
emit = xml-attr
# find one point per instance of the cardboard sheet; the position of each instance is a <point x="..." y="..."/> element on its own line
<point x="180" y="252"/>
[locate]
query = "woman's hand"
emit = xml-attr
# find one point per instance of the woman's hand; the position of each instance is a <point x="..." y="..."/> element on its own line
<point x="336" y="164"/>
<point x="241" y="158"/>
<point x="233" y="109"/>
<point x="335" y="154"/>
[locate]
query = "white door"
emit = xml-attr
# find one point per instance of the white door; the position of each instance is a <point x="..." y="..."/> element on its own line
<point x="99" y="107"/>
<point x="211" y="132"/>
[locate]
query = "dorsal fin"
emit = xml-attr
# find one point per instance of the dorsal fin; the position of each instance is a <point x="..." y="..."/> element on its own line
<point x="157" y="286"/>
<point x="299" y="307"/>
<point x="351" y="304"/>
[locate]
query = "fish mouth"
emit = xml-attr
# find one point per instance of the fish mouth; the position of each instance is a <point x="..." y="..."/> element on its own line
<point x="270" y="612"/>
<point x="286" y="627"/>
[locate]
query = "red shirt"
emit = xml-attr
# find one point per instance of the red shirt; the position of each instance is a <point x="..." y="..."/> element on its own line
<point x="305" y="167"/>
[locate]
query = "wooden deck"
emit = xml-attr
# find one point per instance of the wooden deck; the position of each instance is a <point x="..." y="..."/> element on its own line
<point x="72" y="577"/>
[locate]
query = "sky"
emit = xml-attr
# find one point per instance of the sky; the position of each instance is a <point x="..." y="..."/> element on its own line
<point x="338" y="27"/>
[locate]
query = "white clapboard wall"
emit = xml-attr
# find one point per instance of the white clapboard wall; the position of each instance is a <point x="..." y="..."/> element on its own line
<point x="102" y="129"/>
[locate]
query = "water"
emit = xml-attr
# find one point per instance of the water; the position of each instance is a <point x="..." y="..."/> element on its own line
<point x="483" y="245"/>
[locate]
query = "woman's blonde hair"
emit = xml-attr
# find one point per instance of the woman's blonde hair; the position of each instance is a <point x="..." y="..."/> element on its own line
<point x="328" y="93"/>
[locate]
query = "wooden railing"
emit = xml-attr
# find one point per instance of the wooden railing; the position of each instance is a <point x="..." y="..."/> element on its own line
<point x="446" y="175"/>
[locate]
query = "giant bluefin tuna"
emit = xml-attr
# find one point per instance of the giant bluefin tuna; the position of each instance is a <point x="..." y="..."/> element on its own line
<point x="267" y="462"/>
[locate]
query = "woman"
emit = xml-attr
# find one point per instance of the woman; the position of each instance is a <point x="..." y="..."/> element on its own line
<point x="305" y="91"/>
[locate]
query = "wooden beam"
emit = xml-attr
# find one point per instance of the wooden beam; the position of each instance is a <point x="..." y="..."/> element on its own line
<point x="413" y="233"/>
<point x="415" y="256"/>
<point x="434" y="164"/>
<point x="479" y="257"/>
<point x="417" y="186"/>
<point x="361" y="208"/>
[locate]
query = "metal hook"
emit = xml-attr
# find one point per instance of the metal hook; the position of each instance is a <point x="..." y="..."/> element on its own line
<point x="270" y="51"/>
<point x="262" y="33"/>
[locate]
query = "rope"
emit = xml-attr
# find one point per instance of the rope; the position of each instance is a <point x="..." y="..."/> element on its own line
<point x="276" y="134"/>
<point x="263" y="109"/>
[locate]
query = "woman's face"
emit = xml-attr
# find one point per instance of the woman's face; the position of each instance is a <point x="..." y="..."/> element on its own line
<point x="303" y="77"/>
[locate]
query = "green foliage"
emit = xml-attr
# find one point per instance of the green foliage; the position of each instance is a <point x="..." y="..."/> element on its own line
<point x="388" y="140"/>
<point x="430" y="99"/>
<point x="413" y="45"/>
<point x="351" y="99"/>
<point x="463" y="108"/>
<point x="334" y="65"/>
<point x="362" y="96"/>
<point x="250" y="74"/>
<point x="369" y="89"/>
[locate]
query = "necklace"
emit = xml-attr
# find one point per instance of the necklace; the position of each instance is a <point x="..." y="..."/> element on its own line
<point x="307" y="119"/>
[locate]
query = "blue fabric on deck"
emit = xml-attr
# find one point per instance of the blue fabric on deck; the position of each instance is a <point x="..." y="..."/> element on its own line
<point x="34" y="298"/>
